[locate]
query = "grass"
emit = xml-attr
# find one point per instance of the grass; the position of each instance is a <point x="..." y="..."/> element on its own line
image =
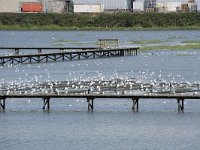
<point x="175" y="37"/>
<point x="147" y="41"/>
<point x="183" y="54"/>
<point x="77" y="43"/>
<point x="57" y="45"/>
<point x="80" y="34"/>
<point x="65" y="41"/>
<point x="172" y="47"/>
<point x="191" y="41"/>
<point x="67" y="28"/>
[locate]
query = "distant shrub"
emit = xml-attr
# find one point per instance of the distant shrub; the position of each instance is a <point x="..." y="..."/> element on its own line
<point x="103" y="20"/>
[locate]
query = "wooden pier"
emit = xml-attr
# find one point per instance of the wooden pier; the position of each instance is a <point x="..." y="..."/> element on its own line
<point x="64" y="54"/>
<point x="180" y="98"/>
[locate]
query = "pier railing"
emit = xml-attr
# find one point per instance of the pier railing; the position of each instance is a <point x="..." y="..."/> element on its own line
<point x="64" y="54"/>
<point x="91" y="97"/>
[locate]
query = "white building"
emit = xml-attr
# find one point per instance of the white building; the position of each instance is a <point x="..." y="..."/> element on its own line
<point x="88" y="8"/>
<point x="109" y="5"/>
<point x="138" y="6"/>
<point x="182" y="1"/>
<point x="168" y="6"/>
<point x="9" y="6"/>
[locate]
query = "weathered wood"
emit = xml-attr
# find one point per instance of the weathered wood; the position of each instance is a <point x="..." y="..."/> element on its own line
<point x="180" y="102"/>
<point x="90" y="103"/>
<point x="145" y="96"/>
<point x="90" y="98"/>
<point x="135" y="107"/>
<point x="2" y="104"/>
<point x="46" y="101"/>
<point x="64" y="56"/>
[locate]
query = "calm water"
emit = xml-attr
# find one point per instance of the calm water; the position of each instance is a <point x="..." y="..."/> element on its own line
<point x="112" y="125"/>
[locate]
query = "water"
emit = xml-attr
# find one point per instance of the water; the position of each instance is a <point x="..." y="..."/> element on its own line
<point x="112" y="124"/>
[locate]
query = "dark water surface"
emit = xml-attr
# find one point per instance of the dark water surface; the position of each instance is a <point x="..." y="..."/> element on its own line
<point x="112" y="124"/>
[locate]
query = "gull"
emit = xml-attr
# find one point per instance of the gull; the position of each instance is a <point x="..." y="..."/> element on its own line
<point x="195" y="93"/>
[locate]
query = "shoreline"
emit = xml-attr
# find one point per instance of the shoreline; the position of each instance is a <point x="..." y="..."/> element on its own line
<point x="74" y="28"/>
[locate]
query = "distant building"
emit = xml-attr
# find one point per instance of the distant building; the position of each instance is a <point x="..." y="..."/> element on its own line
<point x="55" y="6"/>
<point x="88" y="8"/>
<point x="61" y="6"/>
<point x="168" y="6"/>
<point x="150" y="5"/>
<point x="109" y="5"/>
<point x="9" y="6"/>
<point x="192" y="6"/>
<point x="138" y="6"/>
<point x="36" y="6"/>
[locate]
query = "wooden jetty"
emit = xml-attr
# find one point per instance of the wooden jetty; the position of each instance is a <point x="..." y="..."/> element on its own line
<point x="91" y="97"/>
<point x="64" y="54"/>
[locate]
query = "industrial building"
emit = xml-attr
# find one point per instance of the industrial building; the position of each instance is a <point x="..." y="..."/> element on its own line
<point x="98" y="6"/>
<point x="166" y="5"/>
<point x="88" y="8"/>
<point x="108" y="5"/>
<point x="37" y="6"/>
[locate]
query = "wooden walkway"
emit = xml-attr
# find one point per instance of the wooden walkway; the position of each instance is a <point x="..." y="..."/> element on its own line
<point x="91" y="97"/>
<point x="64" y="54"/>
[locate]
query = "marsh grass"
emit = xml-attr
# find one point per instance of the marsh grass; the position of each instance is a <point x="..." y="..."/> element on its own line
<point x="184" y="54"/>
<point x="191" y="41"/>
<point x="54" y="27"/>
<point x="172" y="47"/>
<point x="65" y="41"/>
<point x="74" y="42"/>
<point x="175" y="37"/>
<point x="59" y="45"/>
<point x="80" y="34"/>
<point x="148" y="41"/>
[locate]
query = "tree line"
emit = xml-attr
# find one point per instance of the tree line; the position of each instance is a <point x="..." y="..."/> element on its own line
<point x="103" y="20"/>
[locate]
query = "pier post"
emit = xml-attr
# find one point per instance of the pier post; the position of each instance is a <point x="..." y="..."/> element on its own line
<point x="61" y="50"/>
<point x="16" y="51"/>
<point x="38" y="59"/>
<point x="46" y="103"/>
<point x="39" y="51"/>
<point x="30" y="60"/>
<point x="135" y="107"/>
<point x="2" y="103"/>
<point x="93" y="54"/>
<point x="90" y="103"/>
<point x="180" y="102"/>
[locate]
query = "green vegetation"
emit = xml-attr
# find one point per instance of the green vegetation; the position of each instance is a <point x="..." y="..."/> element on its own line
<point x="175" y="37"/>
<point x="191" y="41"/>
<point x="58" y="45"/>
<point x="184" y="54"/>
<point x="102" y="21"/>
<point x="172" y="47"/>
<point x="147" y="41"/>
<point x="72" y="42"/>
<point x="66" y="41"/>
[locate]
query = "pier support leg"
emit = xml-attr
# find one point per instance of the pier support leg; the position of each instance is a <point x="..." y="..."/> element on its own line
<point x="39" y="51"/>
<point x="180" y="104"/>
<point x="135" y="107"/>
<point x="90" y="104"/>
<point x="2" y="104"/>
<point x="46" y="103"/>
<point x="16" y="51"/>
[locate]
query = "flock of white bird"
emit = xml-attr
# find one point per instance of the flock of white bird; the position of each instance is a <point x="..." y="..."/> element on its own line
<point x="126" y="83"/>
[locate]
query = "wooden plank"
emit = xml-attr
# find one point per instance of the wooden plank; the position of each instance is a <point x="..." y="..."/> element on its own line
<point x="38" y="57"/>
<point x="48" y="48"/>
<point x="92" y="96"/>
